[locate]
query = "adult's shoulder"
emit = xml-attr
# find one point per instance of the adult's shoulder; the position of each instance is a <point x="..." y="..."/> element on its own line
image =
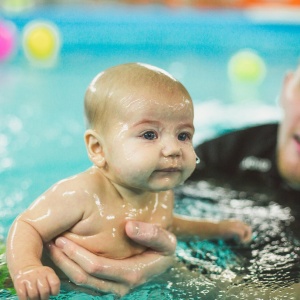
<point x="228" y="150"/>
<point x="244" y="134"/>
<point x="238" y="139"/>
<point x="256" y="132"/>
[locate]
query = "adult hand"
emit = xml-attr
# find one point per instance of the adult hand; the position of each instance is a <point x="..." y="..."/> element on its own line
<point x="117" y="276"/>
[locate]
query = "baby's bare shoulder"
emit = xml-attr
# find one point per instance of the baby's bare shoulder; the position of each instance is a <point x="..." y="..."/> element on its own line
<point x="81" y="185"/>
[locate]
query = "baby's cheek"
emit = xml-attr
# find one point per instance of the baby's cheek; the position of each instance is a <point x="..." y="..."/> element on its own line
<point x="190" y="166"/>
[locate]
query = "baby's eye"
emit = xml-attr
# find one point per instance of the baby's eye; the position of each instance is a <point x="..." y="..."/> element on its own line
<point x="150" y="135"/>
<point x="184" y="136"/>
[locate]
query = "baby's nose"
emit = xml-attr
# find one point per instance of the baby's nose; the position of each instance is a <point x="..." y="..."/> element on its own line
<point x="171" y="147"/>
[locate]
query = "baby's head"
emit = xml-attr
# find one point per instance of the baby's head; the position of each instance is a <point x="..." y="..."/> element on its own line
<point x="140" y="126"/>
<point x="122" y="84"/>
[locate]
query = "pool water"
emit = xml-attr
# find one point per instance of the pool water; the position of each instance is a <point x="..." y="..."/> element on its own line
<point x="41" y="135"/>
<point x="267" y="268"/>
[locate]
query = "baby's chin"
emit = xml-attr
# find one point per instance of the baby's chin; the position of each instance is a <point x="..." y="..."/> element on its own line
<point x="165" y="187"/>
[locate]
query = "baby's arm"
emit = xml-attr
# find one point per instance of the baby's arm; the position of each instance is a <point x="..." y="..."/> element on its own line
<point x="24" y="250"/>
<point x="50" y="215"/>
<point x="226" y="229"/>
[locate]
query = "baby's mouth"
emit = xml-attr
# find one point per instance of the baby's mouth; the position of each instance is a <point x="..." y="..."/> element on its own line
<point x="169" y="170"/>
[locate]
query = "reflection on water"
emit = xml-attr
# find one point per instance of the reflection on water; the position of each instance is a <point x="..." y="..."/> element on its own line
<point x="267" y="268"/>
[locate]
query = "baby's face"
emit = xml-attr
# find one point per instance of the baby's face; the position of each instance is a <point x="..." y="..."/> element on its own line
<point x="148" y="145"/>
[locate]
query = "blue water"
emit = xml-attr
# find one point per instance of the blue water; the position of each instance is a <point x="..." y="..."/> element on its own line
<point x="41" y="131"/>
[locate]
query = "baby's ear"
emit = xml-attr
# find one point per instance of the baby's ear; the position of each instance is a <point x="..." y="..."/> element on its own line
<point x="94" y="148"/>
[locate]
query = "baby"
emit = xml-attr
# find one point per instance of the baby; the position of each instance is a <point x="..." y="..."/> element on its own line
<point x="139" y="139"/>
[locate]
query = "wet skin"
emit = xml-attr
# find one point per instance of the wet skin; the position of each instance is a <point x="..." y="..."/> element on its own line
<point x="139" y="156"/>
<point x="288" y="148"/>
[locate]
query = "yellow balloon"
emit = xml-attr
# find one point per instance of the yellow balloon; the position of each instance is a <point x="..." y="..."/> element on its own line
<point x="246" y="66"/>
<point x="41" y="41"/>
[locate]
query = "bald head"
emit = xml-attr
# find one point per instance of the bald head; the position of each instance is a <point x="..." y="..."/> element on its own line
<point x="121" y="84"/>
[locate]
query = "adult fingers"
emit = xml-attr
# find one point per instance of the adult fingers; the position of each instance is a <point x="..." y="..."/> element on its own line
<point x="105" y="286"/>
<point x="151" y="236"/>
<point x="79" y="276"/>
<point x="71" y="269"/>
<point x="80" y="263"/>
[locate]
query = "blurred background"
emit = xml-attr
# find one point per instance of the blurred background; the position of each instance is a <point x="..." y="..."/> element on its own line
<point x="230" y="55"/>
<point x="225" y="52"/>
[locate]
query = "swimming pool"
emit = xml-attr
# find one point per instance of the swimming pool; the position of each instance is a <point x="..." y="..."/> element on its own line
<point x="41" y="128"/>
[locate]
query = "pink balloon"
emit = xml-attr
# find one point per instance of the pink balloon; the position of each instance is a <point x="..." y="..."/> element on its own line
<point x="7" y="39"/>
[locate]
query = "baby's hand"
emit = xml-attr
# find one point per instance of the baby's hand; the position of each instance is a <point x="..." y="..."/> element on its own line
<point x="36" y="283"/>
<point x="235" y="229"/>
